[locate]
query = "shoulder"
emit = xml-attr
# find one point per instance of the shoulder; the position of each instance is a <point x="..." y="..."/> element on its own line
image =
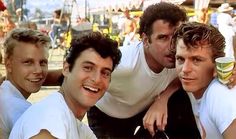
<point x="220" y="104"/>
<point x="85" y="131"/>
<point x="50" y="114"/>
<point x="217" y="89"/>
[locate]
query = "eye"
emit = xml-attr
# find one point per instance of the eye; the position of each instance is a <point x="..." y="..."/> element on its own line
<point x="88" y="68"/>
<point x="163" y="37"/>
<point x="196" y="60"/>
<point x="179" y="60"/>
<point x="27" y="62"/>
<point x="106" y="73"/>
<point x="44" y="63"/>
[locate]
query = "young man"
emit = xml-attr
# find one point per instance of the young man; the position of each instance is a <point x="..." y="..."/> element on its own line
<point x="25" y="59"/>
<point x="197" y="47"/>
<point x="87" y="74"/>
<point x="144" y="72"/>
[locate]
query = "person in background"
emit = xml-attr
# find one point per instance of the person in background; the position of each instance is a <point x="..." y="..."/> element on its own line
<point x="58" y="27"/>
<point x="87" y="74"/>
<point x="214" y="105"/>
<point x="26" y="64"/>
<point x="226" y="27"/>
<point x="21" y="17"/>
<point x="128" y="29"/>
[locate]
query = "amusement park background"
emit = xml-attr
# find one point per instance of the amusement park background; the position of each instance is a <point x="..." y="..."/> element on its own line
<point x="91" y="15"/>
<point x="103" y="15"/>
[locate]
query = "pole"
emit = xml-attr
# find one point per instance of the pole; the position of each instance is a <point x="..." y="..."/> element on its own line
<point x="22" y="10"/>
<point x="85" y="9"/>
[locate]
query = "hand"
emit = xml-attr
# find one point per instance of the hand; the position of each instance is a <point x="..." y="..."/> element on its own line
<point x="232" y="80"/>
<point x="156" y="115"/>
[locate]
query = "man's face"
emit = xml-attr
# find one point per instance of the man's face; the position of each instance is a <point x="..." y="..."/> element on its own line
<point x="27" y="67"/>
<point x="158" y="48"/>
<point x="195" y="67"/>
<point x="87" y="82"/>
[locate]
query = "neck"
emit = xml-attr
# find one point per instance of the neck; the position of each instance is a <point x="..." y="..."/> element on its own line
<point x="151" y="62"/>
<point x="198" y="94"/>
<point x="22" y="91"/>
<point x="74" y="106"/>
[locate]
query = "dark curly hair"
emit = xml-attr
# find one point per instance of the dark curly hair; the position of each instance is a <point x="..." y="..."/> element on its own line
<point x="103" y="45"/>
<point x="196" y="34"/>
<point x="168" y="12"/>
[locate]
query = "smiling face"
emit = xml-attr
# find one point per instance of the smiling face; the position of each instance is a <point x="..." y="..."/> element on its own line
<point x="157" y="48"/>
<point x="195" y="67"/>
<point x="88" y="80"/>
<point x="27" y="67"/>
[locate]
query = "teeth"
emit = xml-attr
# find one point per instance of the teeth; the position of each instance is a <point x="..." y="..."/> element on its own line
<point x="91" y="88"/>
<point x="35" y="80"/>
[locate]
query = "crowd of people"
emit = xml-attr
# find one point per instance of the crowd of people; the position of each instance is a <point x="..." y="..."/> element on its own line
<point x="164" y="86"/>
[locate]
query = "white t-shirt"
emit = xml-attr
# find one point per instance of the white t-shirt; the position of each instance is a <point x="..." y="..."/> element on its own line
<point x="133" y="84"/>
<point x="12" y="106"/>
<point x="217" y="109"/>
<point x="54" y="115"/>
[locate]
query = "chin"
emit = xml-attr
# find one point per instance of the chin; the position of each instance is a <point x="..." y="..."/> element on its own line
<point x="170" y="65"/>
<point x="34" y="90"/>
<point x="187" y="88"/>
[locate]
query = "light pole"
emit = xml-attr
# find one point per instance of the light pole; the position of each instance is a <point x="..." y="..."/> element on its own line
<point x="86" y="2"/>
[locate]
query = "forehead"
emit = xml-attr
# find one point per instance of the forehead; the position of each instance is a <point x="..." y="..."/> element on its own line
<point x="183" y="50"/>
<point x="26" y="49"/>
<point x="163" y="27"/>
<point x="91" y="55"/>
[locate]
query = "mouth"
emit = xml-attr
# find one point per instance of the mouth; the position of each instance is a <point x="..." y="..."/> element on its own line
<point x="91" y="89"/>
<point x="186" y="79"/>
<point x="36" y="80"/>
<point x="171" y="58"/>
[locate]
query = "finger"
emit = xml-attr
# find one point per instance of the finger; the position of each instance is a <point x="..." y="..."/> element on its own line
<point x="231" y="82"/>
<point x="159" y="123"/>
<point x="148" y="124"/>
<point x="164" y="123"/>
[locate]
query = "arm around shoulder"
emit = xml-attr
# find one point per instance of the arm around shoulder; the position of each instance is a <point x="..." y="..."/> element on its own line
<point x="53" y="78"/>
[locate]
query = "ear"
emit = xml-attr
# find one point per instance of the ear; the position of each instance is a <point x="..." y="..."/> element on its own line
<point x="65" y="70"/>
<point x="8" y="64"/>
<point x="145" y="40"/>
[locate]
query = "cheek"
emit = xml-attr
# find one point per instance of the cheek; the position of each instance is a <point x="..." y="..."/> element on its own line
<point x="106" y="83"/>
<point x="178" y="68"/>
<point x="207" y="73"/>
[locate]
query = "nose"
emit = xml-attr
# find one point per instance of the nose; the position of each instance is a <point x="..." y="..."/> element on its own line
<point x="38" y="68"/>
<point x="187" y="67"/>
<point x="96" y="76"/>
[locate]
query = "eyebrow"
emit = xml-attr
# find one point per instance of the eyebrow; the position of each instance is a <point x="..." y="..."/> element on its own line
<point x="89" y="62"/>
<point x="192" y="57"/>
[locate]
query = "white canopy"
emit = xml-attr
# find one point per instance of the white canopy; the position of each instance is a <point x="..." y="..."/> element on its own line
<point x="123" y="4"/>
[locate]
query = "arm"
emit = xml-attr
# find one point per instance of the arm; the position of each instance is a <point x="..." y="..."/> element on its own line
<point x="134" y="28"/>
<point x="157" y="113"/>
<point x="53" y="78"/>
<point x="43" y="134"/>
<point x="229" y="133"/>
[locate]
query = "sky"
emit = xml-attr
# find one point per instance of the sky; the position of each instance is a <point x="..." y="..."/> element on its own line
<point x="49" y="6"/>
<point x="44" y="5"/>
